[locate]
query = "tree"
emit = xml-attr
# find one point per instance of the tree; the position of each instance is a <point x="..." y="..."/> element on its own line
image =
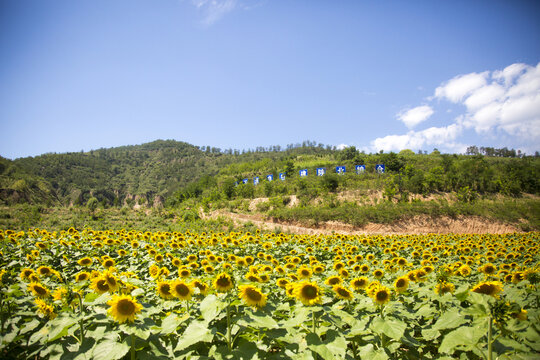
<point x="92" y="204"/>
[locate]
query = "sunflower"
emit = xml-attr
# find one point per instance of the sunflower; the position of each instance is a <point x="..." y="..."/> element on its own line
<point x="111" y="280"/>
<point x="181" y="290"/>
<point x="123" y="308"/>
<point x="381" y="295"/>
<point x="401" y="284"/>
<point x="223" y="282"/>
<point x="491" y="288"/>
<point x="45" y="309"/>
<point x="359" y="283"/>
<point x="203" y="287"/>
<point x="82" y="276"/>
<point x="343" y="273"/>
<point x="38" y="290"/>
<point x="85" y="261"/>
<point x="107" y="263"/>
<point x="282" y="282"/>
<point x="60" y="293"/>
<point x="343" y="293"/>
<point x="252" y="296"/>
<point x="250" y="276"/>
<point x="304" y="272"/>
<point x="176" y="262"/>
<point x="444" y="287"/>
<point x="364" y="268"/>
<point x="308" y="293"/>
<point x="100" y="285"/>
<point x="44" y="271"/>
<point x="518" y="276"/>
<point x="333" y="280"/>
<point x="184" y="272"/>
<point x="488" y="269"/>
<point x="164" y="289"/>
<point x="317" y="269"/>
<point x="26" y="273"/>
<point x="378" y="273"/>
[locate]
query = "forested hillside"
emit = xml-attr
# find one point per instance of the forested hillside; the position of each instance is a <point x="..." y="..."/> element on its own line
<point x="172" y="172"/>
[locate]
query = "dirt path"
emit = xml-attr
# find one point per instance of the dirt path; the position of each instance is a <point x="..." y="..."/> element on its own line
<point x="416" y="225"/>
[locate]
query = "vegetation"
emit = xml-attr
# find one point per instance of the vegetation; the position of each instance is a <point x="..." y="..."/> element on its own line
<point x="240" y="295"/>
<point x="501" y="184"/>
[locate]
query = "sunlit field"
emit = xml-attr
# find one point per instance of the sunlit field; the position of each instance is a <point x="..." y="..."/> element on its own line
<point x="126" y="294"/>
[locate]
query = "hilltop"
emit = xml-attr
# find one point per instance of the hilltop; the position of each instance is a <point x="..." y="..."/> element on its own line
<point x="495" y="184"/>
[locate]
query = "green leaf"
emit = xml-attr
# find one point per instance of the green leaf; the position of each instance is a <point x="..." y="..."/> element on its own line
<point x="29" y="326"/>
<point x="333" y="347"/>
<point x="367" y="352"/>
<point x="258" y="321"/>
<point x="171" y="322"/>
<point x="301" y="314"/>
<point x="392" y="328"/>
<point x="464" y="336"/>
<point x="451" y="319"/>
<point x="196" y="332"/>
<point x="60" y="326"/>
<point x="110" y="350"/>
<point x="211" y="306"/>
<point x="430" y="334"/>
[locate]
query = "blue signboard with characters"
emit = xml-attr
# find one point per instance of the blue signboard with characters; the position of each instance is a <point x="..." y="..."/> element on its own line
<point x="245" y="181"/>
<point x="270" y="177"/>
<point x="321" y="171"/>
<point x="282" y="176"/>
<point x="255" y="180"/>
<point x="303" y="172"/>
<point x="360" y="169"/>
<point x="380" y="168"/>
<point x="340" y="169"/>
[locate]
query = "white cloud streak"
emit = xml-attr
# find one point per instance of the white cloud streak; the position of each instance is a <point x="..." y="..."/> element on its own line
<point x="415" y="116"/>
<point x="213" y="10"/>
<point x="505" y="102"/>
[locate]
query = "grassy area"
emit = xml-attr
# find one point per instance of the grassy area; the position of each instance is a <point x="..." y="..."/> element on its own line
<point x="523" y="212"/>
<point x="24" y="217"/>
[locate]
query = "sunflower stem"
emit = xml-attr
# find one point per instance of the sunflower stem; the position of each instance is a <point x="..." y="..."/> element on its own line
<point x="81" y="313"/>
<point x="133" y="355"/>
<point x="229" y="343"/>
<point x="314" y="322"/>
<point x="490" y="338"/>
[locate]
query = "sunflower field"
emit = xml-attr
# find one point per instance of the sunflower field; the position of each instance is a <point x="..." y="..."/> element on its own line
<point x="206" y="295"/>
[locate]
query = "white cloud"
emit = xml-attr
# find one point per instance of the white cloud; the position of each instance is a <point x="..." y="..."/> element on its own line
<point x="460" y="86"/>
<point x="341" y="146"/>
<point x="415" y="116"/>
<point x="213" y="10"/>
<point x="415" y="140"/>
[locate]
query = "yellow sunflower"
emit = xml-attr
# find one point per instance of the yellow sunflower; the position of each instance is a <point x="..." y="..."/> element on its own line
<point x="491" y="288"/>
<point x="100" y="285"/>
<point x="343" y="293"/>
<point x="308" y="293"/>
<point x="444" y="287"/>
<point x="223" y="282"/>
<point x="26" y="273"/>
<point x="252" y="296"/>
<point x="282" y="282"/>
<point x="45" y="309"/>
<point x="333" y="280"/>
<point x="111" y="280"/>
<point x="38" y="290"/>
<point x="359" y="283"/>
<point x="381" y="295"/>
<point x="123" y="308"/>
<point x="85" y="261"/>
<point x="181" y="290"/>
<point x="44" y="271"/>
<point x="203" y="287"/>
<point x="164" y="289"/>
<point x="401" y="284"/>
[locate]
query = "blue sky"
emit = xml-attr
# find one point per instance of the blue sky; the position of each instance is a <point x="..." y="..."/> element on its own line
<point x="379" y="75"/>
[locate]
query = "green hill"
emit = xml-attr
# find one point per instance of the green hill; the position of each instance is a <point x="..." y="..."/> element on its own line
<point x="488" y="182"/>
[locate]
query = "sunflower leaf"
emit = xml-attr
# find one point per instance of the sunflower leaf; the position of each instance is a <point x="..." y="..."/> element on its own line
<point x="210" y="307"/>
<point x="394" y="329"/>
<point x="451" y="319"/>
<point x="196" y="332"/>
<point x="110" y="350"/>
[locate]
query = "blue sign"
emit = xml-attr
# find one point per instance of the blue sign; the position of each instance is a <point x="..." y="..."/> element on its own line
<point x="321" y="171"/>
<point x="360" y="169"/>
<point x="379" y="168"/>
<point x="303" y="172"/>
<point x="255" y="180"/>
<point x="270" y="177"/>
<point x="236" y="183"/>
<point x="245" y="181"/>
<point x="340" y="169"/>
<point x="282" y="176"/>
